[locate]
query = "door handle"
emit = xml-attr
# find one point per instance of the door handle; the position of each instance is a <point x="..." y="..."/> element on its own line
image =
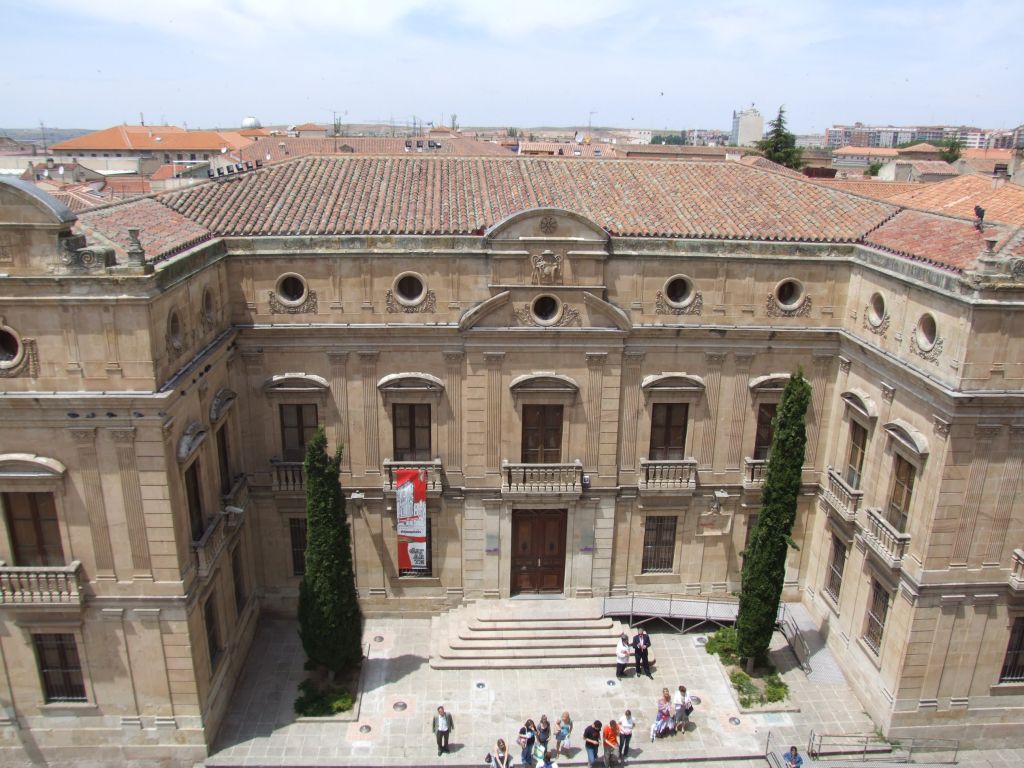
<point x="538" y="562"/>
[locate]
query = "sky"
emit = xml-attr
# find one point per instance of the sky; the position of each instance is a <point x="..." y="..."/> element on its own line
<point x="526" y="63"/>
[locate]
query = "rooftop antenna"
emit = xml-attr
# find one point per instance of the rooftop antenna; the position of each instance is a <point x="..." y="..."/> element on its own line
<point x="142" y="119"/>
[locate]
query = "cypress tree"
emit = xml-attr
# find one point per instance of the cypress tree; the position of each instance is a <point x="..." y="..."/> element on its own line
<point x="779" y="145"/>
<point x="330" y="622"/>
<point x="764" y="562"/>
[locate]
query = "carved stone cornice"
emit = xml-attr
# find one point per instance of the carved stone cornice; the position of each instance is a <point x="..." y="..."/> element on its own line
<point x="888" y="391"/>
<point x="123" y="435"/>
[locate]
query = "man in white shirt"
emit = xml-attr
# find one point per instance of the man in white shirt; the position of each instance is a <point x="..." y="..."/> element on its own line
<point x="444" y="724"/>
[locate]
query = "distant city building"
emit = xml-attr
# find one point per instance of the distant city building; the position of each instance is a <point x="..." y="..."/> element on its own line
<point x="166" y="143"/>
<point x="708" y="137"/>
<point x="747" y="128"/>
<point x="640" y="137"/>
<point x="860" y="135"/>
<point x="812" y="140"/>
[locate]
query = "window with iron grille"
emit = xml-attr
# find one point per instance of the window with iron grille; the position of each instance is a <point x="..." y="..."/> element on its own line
<point x="59" y="668"/>
<point x="411" y="431"/>
<point x="297" y="526"/>
<point x="298" y="425"/>
<point x="855" y="459"/>
<point x="765" y="430"/>
<point x="902" y="491"/>
<point x="878" y="610"/>
<point x="836" y="564"/>
<point x="33" y="529"/>
<point x="427" y="570"/>
<point x="194" y="497"/>
<point x="1013" y="663"/>
<point x="238" y="576"/>
<point x="668" y="431"/>
<point x="659" y="544"/>
<point x="212" y="635"/>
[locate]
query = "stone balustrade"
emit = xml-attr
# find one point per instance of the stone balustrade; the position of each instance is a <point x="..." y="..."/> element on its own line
<point x="236" y="501"/>
<point x="542" y="478"/>
<point x="844" y="499"/>
<point x="432" y="468"/>
<point x="885" y="539"/>
<point x="287" y="476"/>
<point x="754" y="472"/>
<point x="41" y="586"/>
<point x="671" y="475"/>
<point x="212" y="543"/>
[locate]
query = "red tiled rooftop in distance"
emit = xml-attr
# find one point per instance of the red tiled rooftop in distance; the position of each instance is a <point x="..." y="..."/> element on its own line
<point x="931" y="167"/>
<point x="284" y="148"/>
<point x="950" y="243"/>
<point x="138" y="138"/>
<point x="565" y="149"/>
<point x="161" y="230"/>
<point x="763" y="163"/>
<point x="920" y="148"/>
<point x="1001" y="200"/>
<point x="879" y="190"/>
<point x="867" y="151"/>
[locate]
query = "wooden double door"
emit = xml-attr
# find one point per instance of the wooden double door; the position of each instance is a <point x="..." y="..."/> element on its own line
<point x="538" y="550"/>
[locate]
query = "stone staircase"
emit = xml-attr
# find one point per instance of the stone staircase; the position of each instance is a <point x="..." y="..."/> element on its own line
<point x="524" y="633"/>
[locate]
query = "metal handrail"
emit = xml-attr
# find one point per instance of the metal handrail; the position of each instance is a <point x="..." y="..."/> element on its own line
<point x="716" y="611"/>
<point x="864" y="746"/>
<point x="795" y="638"/>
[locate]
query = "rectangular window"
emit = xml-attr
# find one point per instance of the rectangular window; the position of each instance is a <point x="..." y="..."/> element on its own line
<point x="297" y="526"/>
<point x="659" y="544"/>
<point x="428" y="569"/>
<point x="902" y="491"/>
<point x="855" y="459"/>
<point x="836" y="563"/>
<point x="542" y="434"/>
<point x="212" y="635"/>
<point x="668" y="431"/>
<point x="1013" y="663"/>
<point x="765" y="430"/>
<point x="33" y="529"/>
<point x="224" y="460"/>
<point x="878" y="610"/>
<point x="411" y="431"/>
<point x="59" y="668"/>
<point x="238" y="577"/>
<point x="298" y="425"/>
<point x="194" y="496"/>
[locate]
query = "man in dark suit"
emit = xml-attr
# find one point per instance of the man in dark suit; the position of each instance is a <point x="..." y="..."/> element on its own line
<point x="444" y="724"/>
<point x="641" y="645"/>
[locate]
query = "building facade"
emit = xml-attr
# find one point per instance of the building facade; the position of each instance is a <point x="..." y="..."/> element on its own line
<point x="747" y="128"/>
<point x="587" y="384"/>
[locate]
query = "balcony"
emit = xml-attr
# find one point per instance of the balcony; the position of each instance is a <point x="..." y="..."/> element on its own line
<point x="667" y="476"/>
<point x="55" y="586"/>
<point x="754" y="472"/>
<point x="431" y="467"/>
<point x="287" y="476"/>
<point x="888" y="543"/>
<point x="542" y="479"/>
<point x="842" y="498"/>
<point x="1017" y="571"/>
<point x="212" y="543"/>
<point x="236" y="501"/>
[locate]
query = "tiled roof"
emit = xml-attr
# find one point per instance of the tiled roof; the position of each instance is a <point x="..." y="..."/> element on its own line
<point x="985" y="160"/>
<point x="310" y="127"/>
<point x="126" y="184"/>
<point x="880" y="190"/>
<point x="165" y="171"/>
<point x="138" y="138"/>
<point x="162" y="231"/>
<point x="931" y="167"/>
<point x="422" y="195"/>
<point x="866" y="152"/>
<point x="1001" y="200"/>
<point x="941" y="240"/>
<point x="683" y="151"/>
<point x="756" y="161"/>
<point x="285" y="148"/>
<point x="565" y="149"/>
<point x="922" y="147"/>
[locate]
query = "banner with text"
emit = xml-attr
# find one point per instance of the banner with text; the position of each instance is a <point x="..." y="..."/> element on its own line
<point x="411" y="506"/>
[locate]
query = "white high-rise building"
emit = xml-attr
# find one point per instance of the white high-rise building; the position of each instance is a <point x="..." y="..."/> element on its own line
<point x="747" y="128"/>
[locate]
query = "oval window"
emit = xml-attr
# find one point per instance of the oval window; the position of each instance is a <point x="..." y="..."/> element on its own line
<point x="679" y="290"/>
<point x="174" y="330"/>
<point x="291" y="288"/>
<point x="10" y="348"/>
<point x="789" y="293"/>
<point x="409" y="288"/>
<point x="927" y="332"/>
<point x="876" y="312"/>
<point x="546" y="309"/>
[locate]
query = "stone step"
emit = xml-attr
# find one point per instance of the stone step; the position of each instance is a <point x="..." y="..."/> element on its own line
<point x="530" y="662"/>
<point x="531" y="642"/>
<point x="513" y="625"/>
<point x="604" y="634"/>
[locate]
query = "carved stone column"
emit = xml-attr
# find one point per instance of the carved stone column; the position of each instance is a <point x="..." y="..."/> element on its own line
<point x="984" y="436"/>
<point x="454" y="363"/>
<point x="595" y="369"/>
<point x="339" y="391"/>
<point x="92" y="494"/>
<point x="1009" y="483"/>
<point x="371" y="436"/>
<point x="740" y="399"/>
<point x="819" y="383"/>
<point x="494" y="362"/>
<point x="124" y="447"/>
<point x="632" y="365"/>
<point x="712" y="389"/>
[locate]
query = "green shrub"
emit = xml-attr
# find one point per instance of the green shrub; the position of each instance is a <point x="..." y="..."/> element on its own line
<point x="775" y="689"/>
<point x="743" y="684"/>
<point x="314" y="701"/>
<point x="723" y="643"/>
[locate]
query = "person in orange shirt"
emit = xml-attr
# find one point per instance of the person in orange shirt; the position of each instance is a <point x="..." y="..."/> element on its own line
<point x="610" y="738"/>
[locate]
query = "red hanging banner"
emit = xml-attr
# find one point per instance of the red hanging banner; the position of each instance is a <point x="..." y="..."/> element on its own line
<point x="411" y="507"/>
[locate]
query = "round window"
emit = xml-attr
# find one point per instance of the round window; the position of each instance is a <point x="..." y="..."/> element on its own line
<point x="174" y="330"/>
<point x="10" y="348"/>
<point x="208" y="309"/>
<point x="546" y="309"/>
<point x="876" y="311"/>
<point x="926" y="332"/>
<point x="789" y="293"/>
<point x="679" y="290"/>
<point x="409" y="288"/>
<point x="291" y="288"/>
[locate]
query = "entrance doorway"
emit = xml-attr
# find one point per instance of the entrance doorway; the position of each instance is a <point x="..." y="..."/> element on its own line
<point x="538" y="550"/>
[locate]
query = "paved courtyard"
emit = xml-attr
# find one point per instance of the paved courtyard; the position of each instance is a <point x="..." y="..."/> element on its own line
<point x="392" y="722"/>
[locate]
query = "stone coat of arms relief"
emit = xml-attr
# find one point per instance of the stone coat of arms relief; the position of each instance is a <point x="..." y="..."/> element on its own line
<point x="547" y="268"/>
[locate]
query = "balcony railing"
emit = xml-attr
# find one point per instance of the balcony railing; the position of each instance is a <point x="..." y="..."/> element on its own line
<point x="212" y="543"/>
<point x="1017" y="570"/>
<point x="41" y="586"/>
<point x="432" y="468"/>
<point x="542" y="478"/>
<point x="236" y="501"/>
<point x="287" y="476"/>
<point x="883" y="537"/>
<point x="673" y="475"/>
<point x="754" y="472"/>
<point x="844" y="499"/>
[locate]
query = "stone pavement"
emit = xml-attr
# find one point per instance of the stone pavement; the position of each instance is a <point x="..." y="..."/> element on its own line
<point x="392" y="725"/>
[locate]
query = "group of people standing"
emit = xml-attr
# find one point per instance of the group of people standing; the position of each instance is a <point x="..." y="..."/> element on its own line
<point x="639" y="647"/>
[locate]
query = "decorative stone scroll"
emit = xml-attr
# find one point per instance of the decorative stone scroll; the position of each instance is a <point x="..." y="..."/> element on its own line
<point x="428" y="304"/>
<point x="570" y="316"/>
<point x="28" y="365"/>
<point x="662" y="306"/>
<point x="307" y="307"/>
<point x="931" y="354"/>
<point x="775" y="309"/>
<point x="883" y="325"/>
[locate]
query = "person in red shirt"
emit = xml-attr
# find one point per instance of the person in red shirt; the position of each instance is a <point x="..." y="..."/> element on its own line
<point x="610" y="739"/>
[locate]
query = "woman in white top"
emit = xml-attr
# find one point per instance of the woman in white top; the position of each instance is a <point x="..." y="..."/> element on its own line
<point x="626" y="726"/>
<point x="682" y="706"/>
<point x="622" y="655"/>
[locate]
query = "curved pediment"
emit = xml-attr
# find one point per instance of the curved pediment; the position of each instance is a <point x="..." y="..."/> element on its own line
<point x="904" y="433"/>
<point x="29" y="465"/>
<point x="190" y="440"/>
<point x="410" y="382"/>
<point x="501" y="311"/>
<point x="295" y="382"/>
<point x="672" y="382"/>
<point x="861" y="402"/>
<point x="475" y="315"/>
<point x="31" y="205"/>
<point x="221" y="403"/>
<point x="546" y="223"/>
<point x="544" y="381"/>
<point x="770" y="381"/>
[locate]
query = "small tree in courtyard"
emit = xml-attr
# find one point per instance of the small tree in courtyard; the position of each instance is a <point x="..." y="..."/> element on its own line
<point x="764" y="562"/>
<point x="779" y="145"/>
<point x="330" y="622"/>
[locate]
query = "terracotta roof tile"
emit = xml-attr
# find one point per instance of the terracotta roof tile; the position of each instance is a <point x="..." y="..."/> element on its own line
<point x="951" y="243"/>
<point x="920" y="147"/>
<point x="867" y="151"/>
<point x="931" y="167"/>
<point x="879" y="190"/>
<point x="142" y="138"/>
<point x="566" y="149"/>
<point x="286" y="147"/>
<point x="764" y="164"/>
<point x="1001" y="200"/>
<point x="162" y="231"/>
